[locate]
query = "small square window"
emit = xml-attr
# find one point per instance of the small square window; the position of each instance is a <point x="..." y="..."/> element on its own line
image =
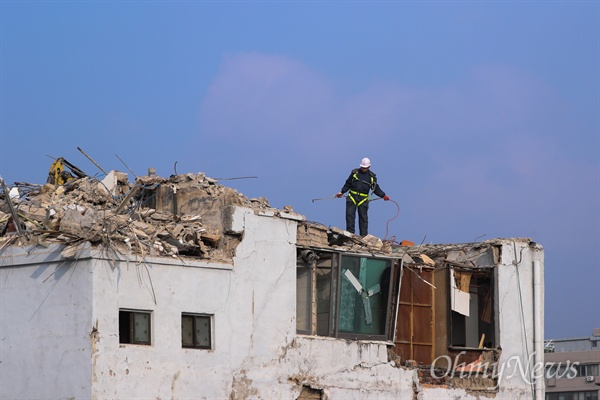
<point x="196" y="331"/>
<point x="134" y="327"/>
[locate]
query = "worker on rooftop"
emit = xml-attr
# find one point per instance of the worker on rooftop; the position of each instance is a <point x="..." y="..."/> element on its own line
<point x="358" y="185"/>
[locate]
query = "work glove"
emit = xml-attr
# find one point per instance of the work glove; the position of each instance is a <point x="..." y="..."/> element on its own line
<point x="339" y="195"/>
<point x="386" y="197"/>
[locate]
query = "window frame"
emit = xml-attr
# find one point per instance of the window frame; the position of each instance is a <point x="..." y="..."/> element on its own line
<point x="195" y="342"/>
<point x="585" y="370"/>
<point x="332" y="329"/>
<point x="356" y="335"/>
<point x="128" y="334"/>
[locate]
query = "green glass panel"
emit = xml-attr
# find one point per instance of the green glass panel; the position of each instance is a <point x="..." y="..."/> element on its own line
<point x="363" y="300"/>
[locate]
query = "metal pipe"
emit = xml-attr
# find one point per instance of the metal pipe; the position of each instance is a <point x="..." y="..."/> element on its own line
<point x="324" y="198"/>
<point x="237" y="177"/>
<point x="133" y="173"/>
<point x="93" y="162"/>
<point x="538" y="330"/>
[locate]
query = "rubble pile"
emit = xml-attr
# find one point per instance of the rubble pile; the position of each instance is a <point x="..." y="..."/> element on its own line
<point x="313" y="235"/>
<point x="178" y="216"/>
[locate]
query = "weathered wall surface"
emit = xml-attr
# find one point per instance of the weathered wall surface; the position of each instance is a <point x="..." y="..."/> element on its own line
<point x="516" y="312"/>
<point x="46" y="320"/>
<point x="245" y="300"/>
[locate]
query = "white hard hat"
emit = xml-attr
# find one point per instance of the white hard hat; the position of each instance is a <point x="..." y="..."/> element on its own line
<point x="365" y="163"/>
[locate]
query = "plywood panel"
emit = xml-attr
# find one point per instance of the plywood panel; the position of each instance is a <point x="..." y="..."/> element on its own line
<point x="403" y="324"/>
<point x="421" y="290"/>
<point x="422" y="321"/>
<point x="406" y="288"/>
<point x="414" y="334"/>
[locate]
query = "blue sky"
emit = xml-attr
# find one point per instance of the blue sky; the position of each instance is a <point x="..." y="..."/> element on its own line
<point x="481" y="118"/>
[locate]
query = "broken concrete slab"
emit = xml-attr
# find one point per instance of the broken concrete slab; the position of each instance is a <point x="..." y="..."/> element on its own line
<point x="373" y="242"/>
<point x="85" y="225"/>
<point x="115" y="183"/>
<point x="292" y="215"/>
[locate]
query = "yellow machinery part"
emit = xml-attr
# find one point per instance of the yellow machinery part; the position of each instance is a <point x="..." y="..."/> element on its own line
<point x="57" y="174"/>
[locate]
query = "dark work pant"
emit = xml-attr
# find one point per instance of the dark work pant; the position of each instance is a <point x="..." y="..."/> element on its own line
<point x="363" y="216"/>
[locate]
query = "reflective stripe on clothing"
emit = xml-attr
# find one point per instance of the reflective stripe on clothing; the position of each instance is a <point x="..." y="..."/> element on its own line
<point x="366" y="197"/>
<point x="372" y="184"/>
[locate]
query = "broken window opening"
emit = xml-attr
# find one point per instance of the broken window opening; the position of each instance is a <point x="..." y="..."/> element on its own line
<point x="471" y="313"/>
<point x="430" y="325"/>
<point x="196" y="331"/>
<point x="361" y="287"/>
<point x="134" y="327"/>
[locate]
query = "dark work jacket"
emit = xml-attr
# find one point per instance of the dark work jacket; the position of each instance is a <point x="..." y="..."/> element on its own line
<point x="363" y="183"/>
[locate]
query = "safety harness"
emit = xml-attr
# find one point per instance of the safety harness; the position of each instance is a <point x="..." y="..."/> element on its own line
<point x="365" y="196"/>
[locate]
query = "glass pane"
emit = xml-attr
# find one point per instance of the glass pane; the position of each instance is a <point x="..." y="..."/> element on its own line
<point x="203" y="331"/>
<point x="592" y="370"/>
<point x="141" y="328"/>
<point x="303" y="299"/>
<point x="187" y="331"/>
<point x="323" y="300"/>
<point x="349" y="296"/>
<point x="363" y="295"/>
<point x="333" y="290"/>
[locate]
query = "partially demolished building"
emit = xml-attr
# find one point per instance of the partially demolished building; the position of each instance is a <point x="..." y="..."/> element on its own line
<point x="182" y="288"/>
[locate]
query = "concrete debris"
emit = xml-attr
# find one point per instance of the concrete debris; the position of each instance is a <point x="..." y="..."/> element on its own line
<point x="314" y="235"/>
<point x="424" y="260"/>
<point x="373" y="242"/>
<point x="317" y="236"/>
<point x="181" y="216"/>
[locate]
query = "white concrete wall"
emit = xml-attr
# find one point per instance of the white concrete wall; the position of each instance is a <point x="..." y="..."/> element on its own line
<point x="248" y="301"/>
<point x="45" y="325"/>
<point x="516" y="312"/>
